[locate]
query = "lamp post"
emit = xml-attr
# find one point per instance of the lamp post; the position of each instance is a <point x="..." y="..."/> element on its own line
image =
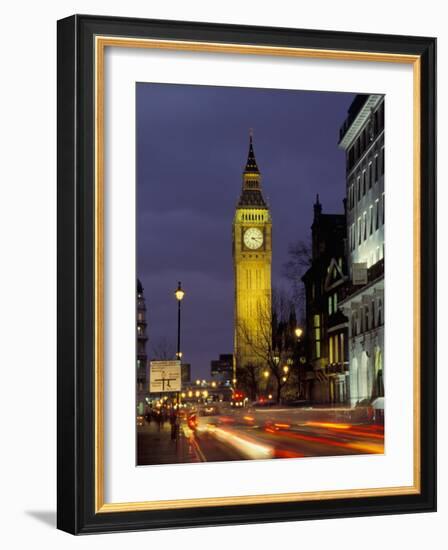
<point x="179" y="294"/>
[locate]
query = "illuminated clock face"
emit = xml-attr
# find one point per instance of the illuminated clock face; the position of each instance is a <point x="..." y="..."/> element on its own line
<point x="253" y="238"/>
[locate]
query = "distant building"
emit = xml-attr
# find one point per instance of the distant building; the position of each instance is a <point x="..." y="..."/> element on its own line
<point x="185" y="373"/>
<point x="326" y="326"/>
<point x="221" y="369"/>
<point x="362" y="138"/>
<point x="142" y="358"/>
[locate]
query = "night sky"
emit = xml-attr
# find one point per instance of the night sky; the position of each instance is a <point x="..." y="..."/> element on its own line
<point x="192" y="145"/>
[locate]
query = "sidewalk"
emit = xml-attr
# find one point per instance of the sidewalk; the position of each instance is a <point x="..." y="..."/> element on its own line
<point x="155" y="446"/>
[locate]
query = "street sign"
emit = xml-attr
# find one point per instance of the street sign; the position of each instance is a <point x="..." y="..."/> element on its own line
<point x="359" y="274"/>
<point x="164" y="376"/>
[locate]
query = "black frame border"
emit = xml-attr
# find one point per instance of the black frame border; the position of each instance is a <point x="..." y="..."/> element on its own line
<point x="76" y="263"/>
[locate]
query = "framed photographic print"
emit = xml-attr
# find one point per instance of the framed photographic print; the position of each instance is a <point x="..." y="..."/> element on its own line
<point x="246" y="274"/>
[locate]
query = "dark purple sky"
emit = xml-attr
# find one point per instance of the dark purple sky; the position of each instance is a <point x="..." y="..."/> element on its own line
<point x="192" y="145"/>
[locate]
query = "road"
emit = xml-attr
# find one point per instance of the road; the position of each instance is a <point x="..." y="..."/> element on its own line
<point x="244" y="434"/>
<point x="285" y="433"/>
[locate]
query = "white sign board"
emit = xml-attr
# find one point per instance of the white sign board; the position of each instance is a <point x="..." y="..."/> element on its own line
<point x="359" y="274"/>
<point x="164" y="376"/>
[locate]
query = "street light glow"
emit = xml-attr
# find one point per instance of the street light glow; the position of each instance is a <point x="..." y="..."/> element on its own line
<point x="179" y="292"/>
<point x="298" y="332"/>
<point x="266" y="374"/>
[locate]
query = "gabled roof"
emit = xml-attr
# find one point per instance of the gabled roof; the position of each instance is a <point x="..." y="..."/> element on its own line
<point x="335" y="275"/>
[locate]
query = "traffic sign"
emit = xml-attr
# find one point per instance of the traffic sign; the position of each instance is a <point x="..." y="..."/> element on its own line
<point x="164" y="376"/>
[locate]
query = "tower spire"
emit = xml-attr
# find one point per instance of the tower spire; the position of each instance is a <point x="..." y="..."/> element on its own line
<point x="251" y="164"/>
<point x="251" y="195"/>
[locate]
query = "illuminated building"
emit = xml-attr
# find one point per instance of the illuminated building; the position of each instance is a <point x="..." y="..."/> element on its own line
<point x="327" y="327"/>
<point x="142" y="358"/>
<point x="252" y="256"/>
<point x="362" y="138"/>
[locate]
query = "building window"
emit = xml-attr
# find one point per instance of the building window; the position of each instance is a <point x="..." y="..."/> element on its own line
<point x="380" y="312"/>
<point x="317" y="335"/>
<point x="366" y="318"/>
<point x="363" y="182"/>
<point x="364" y="222"/>
<point x="331" y="349"/>
<point x="373" y="314"/>
<point x="359" y="230"/>
<point x="382" y="161"/>
<point x="342" y="357"/>
<point x="371" y="219"/>
<point x="369" y="178"/>
<point x="358" y="185"/>
<point x="335" y="302"/>
<point x="375" y="172"/>
<point x="377" y="214"/>
<point x="354" y="324"/>
<point x="382" y="210"/>
<point x="330" y="305"/>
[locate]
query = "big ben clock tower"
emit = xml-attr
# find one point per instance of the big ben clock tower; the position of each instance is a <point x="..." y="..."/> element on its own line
<point x="252" y="258"/>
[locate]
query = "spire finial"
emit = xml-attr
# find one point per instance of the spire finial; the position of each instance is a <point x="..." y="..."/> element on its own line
<point x="251" y="134"/>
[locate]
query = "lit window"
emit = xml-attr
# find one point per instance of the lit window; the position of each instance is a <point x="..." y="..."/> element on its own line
<point x="335" y="302"/>
<point x="316" y="320"/>
<point x="330" y="305"/>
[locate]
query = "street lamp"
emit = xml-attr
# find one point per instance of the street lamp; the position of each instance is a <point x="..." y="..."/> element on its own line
<point x="266" y="374"/>
<point x="179" y="293"/>
<point x="298" y="332"/>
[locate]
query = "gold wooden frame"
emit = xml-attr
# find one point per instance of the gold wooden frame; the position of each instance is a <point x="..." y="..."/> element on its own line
<point x="101" y="42"/>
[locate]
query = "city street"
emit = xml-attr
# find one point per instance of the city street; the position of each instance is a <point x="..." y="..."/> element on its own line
<point x="212" y="434"/>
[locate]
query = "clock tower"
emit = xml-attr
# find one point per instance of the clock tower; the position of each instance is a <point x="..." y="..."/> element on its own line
<point x="252" y="258"/>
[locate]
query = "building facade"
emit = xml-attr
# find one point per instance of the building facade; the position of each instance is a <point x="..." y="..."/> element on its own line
<point x="142" y="358"/>
<point x="362" y="138"/>
<point x="326" y="325"/>
<point x="221" y="369"/>
<point x="252" y="257"/>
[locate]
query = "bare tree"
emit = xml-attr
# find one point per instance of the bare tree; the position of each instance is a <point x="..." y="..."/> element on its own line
<point x="248" y="377"/>
<point x="272" y="360"/>
<point x="300" y="258"/>
<point x="162" y="350"/>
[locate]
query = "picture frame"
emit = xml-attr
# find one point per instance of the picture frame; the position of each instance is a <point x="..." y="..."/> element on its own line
<point x="82" y="41"/>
